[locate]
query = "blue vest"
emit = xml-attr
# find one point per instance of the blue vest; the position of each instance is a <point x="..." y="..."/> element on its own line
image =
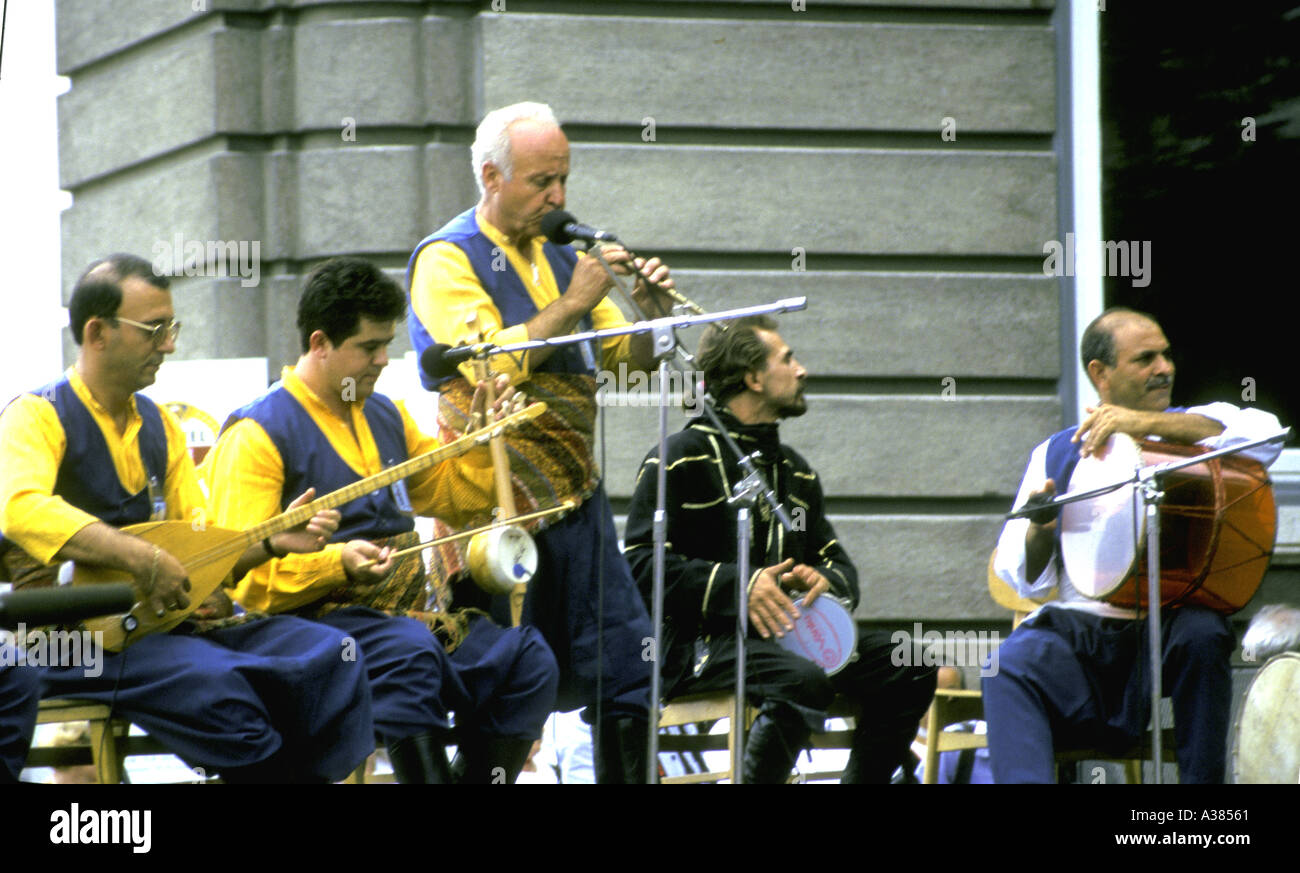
<point x="508" y="293"/>
<point x="310" y="461"/>
<point x="87" y="477"/>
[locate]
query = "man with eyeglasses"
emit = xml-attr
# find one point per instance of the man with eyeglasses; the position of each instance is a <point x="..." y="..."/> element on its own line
<point x="257" y="699"/>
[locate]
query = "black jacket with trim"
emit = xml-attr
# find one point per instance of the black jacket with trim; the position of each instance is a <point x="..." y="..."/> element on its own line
<point x="700" y="563"/>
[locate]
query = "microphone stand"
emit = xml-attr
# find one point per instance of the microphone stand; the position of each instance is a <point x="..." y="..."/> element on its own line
<point x="744" y="492"/>
<point x="1147" y="482"/>
<point x="665" y="346"/>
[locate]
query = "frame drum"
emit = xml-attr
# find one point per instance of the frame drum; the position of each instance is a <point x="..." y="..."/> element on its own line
<point x="1218" y="522"/>
<point x="825" y="634"/>
<point x="1266" y="745"/>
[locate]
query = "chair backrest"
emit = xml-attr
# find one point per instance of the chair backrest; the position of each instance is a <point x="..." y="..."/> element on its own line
<point x="1004" y="595"/>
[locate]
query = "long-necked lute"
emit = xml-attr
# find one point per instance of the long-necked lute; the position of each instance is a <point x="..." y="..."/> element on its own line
<point x="209" y="554"/>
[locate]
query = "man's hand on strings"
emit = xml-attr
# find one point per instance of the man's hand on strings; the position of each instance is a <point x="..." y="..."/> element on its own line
<point x="312" y="535"/>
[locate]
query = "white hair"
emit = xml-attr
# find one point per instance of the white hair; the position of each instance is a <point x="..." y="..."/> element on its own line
<point x="492" y="139"/>
<point x="1274" y="629"/>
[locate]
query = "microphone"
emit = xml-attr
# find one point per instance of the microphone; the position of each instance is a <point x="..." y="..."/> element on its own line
<point x="440" y="361"/>
<point x="63" y="605"/>
<point x="562" y="228"/>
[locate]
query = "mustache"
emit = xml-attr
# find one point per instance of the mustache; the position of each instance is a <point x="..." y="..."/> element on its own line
<point x="1159" y="382"/>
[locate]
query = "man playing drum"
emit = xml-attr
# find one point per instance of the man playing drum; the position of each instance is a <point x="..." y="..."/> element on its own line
<point x="1072" y="674"/>
<point x="324" y="424"/>
<point x="756" y="381"/>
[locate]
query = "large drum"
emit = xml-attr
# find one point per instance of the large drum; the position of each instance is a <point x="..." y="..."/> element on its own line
<point x="1266" y="745"/>
<point x="1218" y="523"/>
<point x="825" y="633"/>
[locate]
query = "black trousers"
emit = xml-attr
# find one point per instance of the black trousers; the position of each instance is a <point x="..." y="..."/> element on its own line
<point x="792" y="695"/>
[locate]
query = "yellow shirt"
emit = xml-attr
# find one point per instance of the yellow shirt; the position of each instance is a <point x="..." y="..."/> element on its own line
<point x="32" y="445"/>
<point x="445" y="293"/>
<point x="245" y="477"/>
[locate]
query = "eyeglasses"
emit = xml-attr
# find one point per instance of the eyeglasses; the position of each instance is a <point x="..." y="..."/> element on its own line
<point x="158" y="333"/>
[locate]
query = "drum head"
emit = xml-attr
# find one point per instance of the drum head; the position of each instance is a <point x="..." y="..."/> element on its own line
<point x="1267" y="744"/>
<point x="501" y="558"/>
<point x="1098" y="541"/>
<point x="825" y="634"/>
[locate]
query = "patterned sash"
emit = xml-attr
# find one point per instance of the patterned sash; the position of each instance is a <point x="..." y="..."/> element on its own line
<point x="551" y="458"/>
<point x="408" y="590"/>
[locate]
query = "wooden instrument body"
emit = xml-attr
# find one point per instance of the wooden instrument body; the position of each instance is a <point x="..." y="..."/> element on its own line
<point x="1218" y="524"/>
<point x="209" y="555"/>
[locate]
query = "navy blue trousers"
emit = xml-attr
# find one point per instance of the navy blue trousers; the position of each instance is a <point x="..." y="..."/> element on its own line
<point x="504" y="681"/>
<point x="20" y="695"/>
<point x="1067" y="679"/>
<point x="499" y="681"/>
<point x="595" y="640"/>
<point x="276" y="699"/>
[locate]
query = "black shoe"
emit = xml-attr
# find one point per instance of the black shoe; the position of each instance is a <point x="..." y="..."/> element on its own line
<point x="774" y="742"/>
<point x="621" y="751"/>
<point x="420" y="760"/>
<point x="491" y="760"/>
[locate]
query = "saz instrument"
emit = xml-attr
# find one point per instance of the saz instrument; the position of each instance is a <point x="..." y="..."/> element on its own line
<point x="1218" y="524"/>
<point x="210" y="553"/>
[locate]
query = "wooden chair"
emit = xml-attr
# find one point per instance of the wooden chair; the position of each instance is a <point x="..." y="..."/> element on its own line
<point x="695" y="708"/>
<point x="365" y="773"/>
<point x="110" y="740"/>
<point x="715" y="706"/>
<point x="956" y="705"/>
<point x="951" y="706"/>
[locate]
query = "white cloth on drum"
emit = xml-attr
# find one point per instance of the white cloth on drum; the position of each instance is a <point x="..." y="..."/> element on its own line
<point x="1239" y="426"/>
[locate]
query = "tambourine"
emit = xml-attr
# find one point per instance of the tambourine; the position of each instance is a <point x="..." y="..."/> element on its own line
<point x="501" y="558"/>
<point x="825" y="634"/>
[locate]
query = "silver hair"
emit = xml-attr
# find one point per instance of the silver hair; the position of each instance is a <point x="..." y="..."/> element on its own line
<point x="1273" y="630"/>
<point x="492" y="138"/>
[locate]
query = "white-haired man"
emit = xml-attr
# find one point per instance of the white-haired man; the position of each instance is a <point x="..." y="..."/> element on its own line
<point x="489" y="271"/>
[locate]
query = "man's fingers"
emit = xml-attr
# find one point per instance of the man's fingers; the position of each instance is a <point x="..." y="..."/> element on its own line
<point x="815" y="591"/>
<point x="774" y="620"/>
<point x="782" y="610"/>
<point x="303" y="498"/>
<point x="783" y="567"/>
<point x="759" y="623"/>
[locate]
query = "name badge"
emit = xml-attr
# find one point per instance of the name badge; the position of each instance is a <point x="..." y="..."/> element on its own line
<point x="400" y="495"/>
<point x="157" y="500"/>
